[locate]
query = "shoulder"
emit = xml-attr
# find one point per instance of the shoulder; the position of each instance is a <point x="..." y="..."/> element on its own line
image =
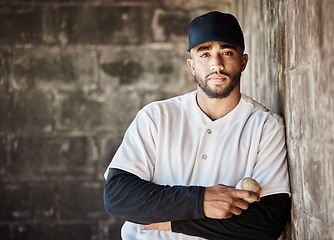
<point x="168" y="106"/>
<point x="259" y="112"/>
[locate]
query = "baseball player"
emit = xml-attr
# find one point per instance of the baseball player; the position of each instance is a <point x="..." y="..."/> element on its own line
<point x="174" y="174"/>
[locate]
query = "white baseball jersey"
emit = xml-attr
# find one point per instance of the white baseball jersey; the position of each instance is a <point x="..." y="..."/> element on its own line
<point x="173" y="142"/>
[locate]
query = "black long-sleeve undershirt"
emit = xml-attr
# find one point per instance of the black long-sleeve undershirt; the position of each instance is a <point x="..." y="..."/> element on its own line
<point x="130" y="198"/>
<point x="262" y="220"/>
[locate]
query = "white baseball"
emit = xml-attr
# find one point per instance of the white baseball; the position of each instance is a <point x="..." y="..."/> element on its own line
<point x="249" y="184"/>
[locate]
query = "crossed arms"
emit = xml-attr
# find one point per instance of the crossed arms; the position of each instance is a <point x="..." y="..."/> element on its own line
<point x="215" y="212"/>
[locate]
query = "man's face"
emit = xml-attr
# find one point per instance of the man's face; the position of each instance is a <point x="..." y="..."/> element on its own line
<point x="217" y="68"/>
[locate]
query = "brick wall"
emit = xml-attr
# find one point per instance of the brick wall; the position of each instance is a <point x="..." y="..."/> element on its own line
<point x="290" y="44"/>
<point x="73" y="74"/>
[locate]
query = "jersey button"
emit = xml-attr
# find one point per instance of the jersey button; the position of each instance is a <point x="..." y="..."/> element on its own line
<point x="209" y="131"/>
<point x="204" y="156"/>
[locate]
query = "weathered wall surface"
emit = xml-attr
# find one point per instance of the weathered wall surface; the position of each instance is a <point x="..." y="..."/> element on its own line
<point x="73" y="74"/>
<point x="291" y="70"/>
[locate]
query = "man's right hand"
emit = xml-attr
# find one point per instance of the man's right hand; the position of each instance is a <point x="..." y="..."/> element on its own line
<point x="222" y="201"/>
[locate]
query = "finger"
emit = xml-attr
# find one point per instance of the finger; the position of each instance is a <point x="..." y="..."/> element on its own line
<point x="247" y="194"/>
<point x="153" y="226"/>
<point x="146" y="227"/>
<point x="236" y="210"/>
<point x="163" y="226"/>
<point x="239" y="203"/>
<point x="229" y="215"/>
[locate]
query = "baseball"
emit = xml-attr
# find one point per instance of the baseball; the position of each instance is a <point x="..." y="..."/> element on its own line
<point x="249" y="184"/>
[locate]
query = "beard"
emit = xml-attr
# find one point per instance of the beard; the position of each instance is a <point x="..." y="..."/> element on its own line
<point x="218" y="91"/>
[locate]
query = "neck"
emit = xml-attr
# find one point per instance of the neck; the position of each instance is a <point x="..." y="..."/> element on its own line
<point x="216" y="108"/>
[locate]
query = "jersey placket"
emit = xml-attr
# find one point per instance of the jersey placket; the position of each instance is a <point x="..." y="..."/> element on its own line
<point x="204" y="156"/>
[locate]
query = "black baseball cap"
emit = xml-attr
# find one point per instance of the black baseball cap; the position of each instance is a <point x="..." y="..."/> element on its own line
<point x="215" y="27"/>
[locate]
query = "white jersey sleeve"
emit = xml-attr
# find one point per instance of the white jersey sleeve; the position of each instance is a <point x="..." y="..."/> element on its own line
<point x="271" y="165"/>
<point x="137" y="151"/>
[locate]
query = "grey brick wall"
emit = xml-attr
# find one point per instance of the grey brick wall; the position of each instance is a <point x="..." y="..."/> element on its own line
<point x="73" y="74"/>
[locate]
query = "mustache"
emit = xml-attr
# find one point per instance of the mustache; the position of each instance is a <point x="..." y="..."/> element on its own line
<point x="220" y="73"/>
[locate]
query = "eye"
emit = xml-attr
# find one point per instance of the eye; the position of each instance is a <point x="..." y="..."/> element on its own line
<point x="203" y="55"/>
<point x="228" y="53"/>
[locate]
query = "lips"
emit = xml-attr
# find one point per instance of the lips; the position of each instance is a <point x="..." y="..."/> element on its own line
<point x="217" y="79"/>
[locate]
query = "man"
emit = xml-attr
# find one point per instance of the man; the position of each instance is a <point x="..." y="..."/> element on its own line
<point x="174" y="174"/>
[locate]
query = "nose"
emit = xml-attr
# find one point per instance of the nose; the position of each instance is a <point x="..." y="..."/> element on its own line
<point x="216" y="63"/>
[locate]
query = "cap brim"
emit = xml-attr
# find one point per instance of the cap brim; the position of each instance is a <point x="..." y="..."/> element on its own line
<point x="225" y="41"/>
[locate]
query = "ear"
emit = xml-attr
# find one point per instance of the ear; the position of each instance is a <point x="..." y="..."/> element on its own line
<point x="190" y="63"/>
<point x="244" y="60"/>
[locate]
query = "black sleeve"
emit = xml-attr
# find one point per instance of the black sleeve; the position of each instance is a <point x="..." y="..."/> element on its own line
<point x="262" y="220"/>
<point x="130" y="198"/>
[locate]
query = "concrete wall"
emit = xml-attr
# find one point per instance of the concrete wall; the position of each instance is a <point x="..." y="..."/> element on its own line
<point x="73" y="74"/>
<point x="291" y="49"/>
